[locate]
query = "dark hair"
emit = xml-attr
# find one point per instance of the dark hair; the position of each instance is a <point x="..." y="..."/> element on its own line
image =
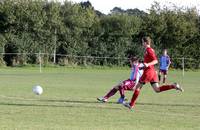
<point x="147" y="40"/>
<point x="134" y="58"/>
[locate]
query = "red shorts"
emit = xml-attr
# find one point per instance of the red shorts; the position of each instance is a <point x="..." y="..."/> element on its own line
<point x="163" y="71"/>
<point x="149" y="75"/>
<point x="128" y="84"/>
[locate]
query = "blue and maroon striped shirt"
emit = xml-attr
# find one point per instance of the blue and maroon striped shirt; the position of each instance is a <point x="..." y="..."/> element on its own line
<point x="136" y="73"/>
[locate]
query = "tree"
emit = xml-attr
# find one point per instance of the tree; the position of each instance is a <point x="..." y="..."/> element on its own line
<point x="116" y="37"/>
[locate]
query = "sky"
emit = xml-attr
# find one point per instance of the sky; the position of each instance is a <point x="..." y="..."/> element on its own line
<point x="105" y="6"/>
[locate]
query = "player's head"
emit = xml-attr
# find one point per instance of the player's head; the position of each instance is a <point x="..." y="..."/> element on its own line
<point x="146" y="41"/>
<point x="134" y="60"/>
<point x="165" y="52"/>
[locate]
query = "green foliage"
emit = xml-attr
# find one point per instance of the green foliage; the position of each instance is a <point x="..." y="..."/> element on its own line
<point x="175" y="30"/>
<point x="33" y="26"/>
<point x="116" y="34"/>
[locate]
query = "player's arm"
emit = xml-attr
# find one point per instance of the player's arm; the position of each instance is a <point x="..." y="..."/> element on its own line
<point x="160" y="61"/>
<point x="134" y="73"/>
<point x="151" y="63"/>
<point x="168" y="62"/>
<point x="139" y="74"/>
<point x="136" y="81"/>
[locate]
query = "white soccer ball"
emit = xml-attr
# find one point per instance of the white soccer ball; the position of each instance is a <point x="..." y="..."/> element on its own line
<point x="37" y="90"/>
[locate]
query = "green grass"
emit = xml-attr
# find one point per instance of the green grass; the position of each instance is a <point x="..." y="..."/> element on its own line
<point x="69" y="101"/>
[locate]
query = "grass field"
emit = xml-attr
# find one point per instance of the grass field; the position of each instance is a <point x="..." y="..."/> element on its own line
<point x="69" y="101"/>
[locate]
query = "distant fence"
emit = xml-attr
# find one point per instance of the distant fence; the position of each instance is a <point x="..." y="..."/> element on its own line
<point x="44" y="59"/>
<point x="15" y="59"/>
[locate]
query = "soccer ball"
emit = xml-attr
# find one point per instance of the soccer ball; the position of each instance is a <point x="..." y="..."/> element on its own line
<point x="37" y="90"/>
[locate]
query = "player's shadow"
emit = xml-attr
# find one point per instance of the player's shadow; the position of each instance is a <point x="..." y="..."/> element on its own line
<point x="54" y="105"/>
<point x="31" y="104"/>
<point x="111" y="102"/>
<point x="167" y="104"/>
<point x="66" y="104"/>
<point x="86" y="104"/>
<point x="75" y="101"/>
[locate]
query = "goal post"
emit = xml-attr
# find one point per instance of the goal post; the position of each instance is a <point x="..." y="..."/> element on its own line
<point x="183" y="66"/>
<point x="40" y="61"/>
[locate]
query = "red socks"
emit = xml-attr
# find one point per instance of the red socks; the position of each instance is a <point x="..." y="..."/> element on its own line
<point x="137" y="92"/>
<point x="121" y="91"/>
<point x="134" y="97"/>
<point x="166" y="87"/>
<point x="110" y="93"/>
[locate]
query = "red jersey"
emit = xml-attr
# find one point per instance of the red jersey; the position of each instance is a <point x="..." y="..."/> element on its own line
<point x="149" y="74"/>
<point x="149" y="56"/>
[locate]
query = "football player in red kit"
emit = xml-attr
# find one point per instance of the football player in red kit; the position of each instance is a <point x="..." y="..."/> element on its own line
<point x="149" y="74"/>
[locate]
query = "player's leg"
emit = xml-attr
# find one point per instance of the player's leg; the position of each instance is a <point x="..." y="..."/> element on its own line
<point x="157" y="88"/>
<point x="164" y="78"/>
<point x="135" y="96"/>
<point x="109" y="94"/>
<point x="122" y="95"/>
<point x="126" y="85"/>
<point x="146" y="77"/>
<point x="121" y="88"/>
<point x="159" y="75"/>
<point x="165" y="72"/>
<point x="162" y="88"/>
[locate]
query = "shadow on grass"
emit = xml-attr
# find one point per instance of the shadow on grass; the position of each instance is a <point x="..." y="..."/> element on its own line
<point x="72" y="104"/>
<point x="167" y="104"/>
<point x="76" y="101"/>
<point x="110" y="102"/>
<point x="88" y="104"/>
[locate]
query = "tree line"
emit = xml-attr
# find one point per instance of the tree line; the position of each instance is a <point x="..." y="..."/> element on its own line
<point x="77" y="29"/>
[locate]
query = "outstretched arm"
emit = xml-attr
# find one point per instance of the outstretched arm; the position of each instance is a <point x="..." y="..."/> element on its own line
<point x="151" y="63"/>
<point x="169" y="62"/>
